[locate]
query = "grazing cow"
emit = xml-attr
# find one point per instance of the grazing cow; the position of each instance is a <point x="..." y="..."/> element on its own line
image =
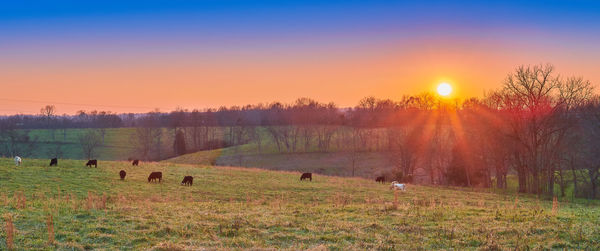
<point x="54" y="162"/>
<point x="306" y="176"/>
<point x="92" y="162"/>
<point x="380" y="179"/>
<point x="187" y="181"/>
<point x="398" y="186"/>
<point x="17" y="161"/>
<point x="122" y="173"/>
<point x="135" y="162"/>
<point x="155" y="176"/>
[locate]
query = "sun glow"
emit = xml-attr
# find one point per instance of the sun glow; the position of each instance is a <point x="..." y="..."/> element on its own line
<point x="444" y="89"/>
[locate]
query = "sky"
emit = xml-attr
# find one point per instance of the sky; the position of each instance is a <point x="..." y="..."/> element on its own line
<point x="136" y="56"/>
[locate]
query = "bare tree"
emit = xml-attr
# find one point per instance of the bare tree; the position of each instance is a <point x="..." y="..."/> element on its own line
<point x="89" y="141"/>
<point x="528" y="94"/>
<point x="16" y="142"/>
<point x="255" y="135"/>
<point x="405" y="149"/>
<point x="576" y="102"/>
<point x="48" y="112"/>
<point x="354" y="146"/>
<point x="198" y="130"/>
<point x="144" y="139"/>
<point x="56" y="151"/>
<point x="539" y="103"/>
<point x="102" y="133"/>
<point x="440" y="150"/>
<point x="591" y="149"/>
<point x="146" y="136"/>
<point x="179" y="146"/>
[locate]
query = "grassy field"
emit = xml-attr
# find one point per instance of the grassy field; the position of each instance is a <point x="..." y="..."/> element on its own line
<point x="252" y="208"/>
<point x="118" y="145"/>
<point x="368" y="164"/>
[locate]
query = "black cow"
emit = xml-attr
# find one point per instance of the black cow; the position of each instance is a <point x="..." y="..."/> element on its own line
<point x="187" y="181"/>
<point x="122" y="173"/>
<point x="135" y="162"/>
<point x="155" y="176"/>
<point x="380" y="179"/>
<point x="306" y="176"/>
<point x="54" y="162"/>
<point x="92" y="162"/>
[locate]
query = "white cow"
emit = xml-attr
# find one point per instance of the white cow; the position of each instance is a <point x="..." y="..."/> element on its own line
<point x="17" y="161"/>
<point x="398" y="186"/>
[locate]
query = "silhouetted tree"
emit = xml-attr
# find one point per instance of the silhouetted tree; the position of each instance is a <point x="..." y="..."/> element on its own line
<point x="48" y="112"/>
<point x="15" y="141"/>
<point x="179" y="143"/>
<point x="89" y="141"/>
<point x="146" y="136"/>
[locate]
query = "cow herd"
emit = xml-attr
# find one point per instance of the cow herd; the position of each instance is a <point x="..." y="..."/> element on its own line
<point x="154" y="176"/>
<point x="381" y="179"/>
<point x="189" y="180"/>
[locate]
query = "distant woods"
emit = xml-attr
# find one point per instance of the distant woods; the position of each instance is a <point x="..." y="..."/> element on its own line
<point x="539" y="127"/>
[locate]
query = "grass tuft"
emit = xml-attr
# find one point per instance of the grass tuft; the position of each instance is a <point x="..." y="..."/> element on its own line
<point x="50" y="227"/>
<point x="9" y="229"/>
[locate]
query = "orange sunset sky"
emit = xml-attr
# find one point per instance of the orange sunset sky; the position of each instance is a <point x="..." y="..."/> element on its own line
<point x="132" y="60"/>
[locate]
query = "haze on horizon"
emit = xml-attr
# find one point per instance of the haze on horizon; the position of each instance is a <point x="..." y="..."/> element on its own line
<point x="134" y="57"/>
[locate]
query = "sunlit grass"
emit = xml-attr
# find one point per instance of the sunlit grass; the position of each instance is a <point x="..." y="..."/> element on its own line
<point x="243" y="208"/>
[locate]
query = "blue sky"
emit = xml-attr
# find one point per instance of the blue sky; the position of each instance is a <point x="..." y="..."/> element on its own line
<point x="372" y="46"/>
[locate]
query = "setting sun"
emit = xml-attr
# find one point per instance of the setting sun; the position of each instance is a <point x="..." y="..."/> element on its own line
<point x="444" y="89"/>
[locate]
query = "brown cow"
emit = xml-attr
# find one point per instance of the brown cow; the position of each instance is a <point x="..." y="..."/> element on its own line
<point x="155" y="176"/>
<point x="92" y="162"/>
<point x="306" y="176"/>
<point x="187" y="181"/>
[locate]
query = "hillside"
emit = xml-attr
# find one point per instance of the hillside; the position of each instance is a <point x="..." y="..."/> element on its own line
<point x="118" y="142"/>
<point x="367" y="164"/>
<point x="118" y="145"/>
<point x="65" y="144"/>
<point x="253" y="208"/>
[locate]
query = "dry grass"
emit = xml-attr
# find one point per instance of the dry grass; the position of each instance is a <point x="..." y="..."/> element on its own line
<point x="9" y="229"/>
<point x="554" y="205"/>
<point x="20" y="200"/>
<point x="237" y="208"/>
<point x="50" y="227"/>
